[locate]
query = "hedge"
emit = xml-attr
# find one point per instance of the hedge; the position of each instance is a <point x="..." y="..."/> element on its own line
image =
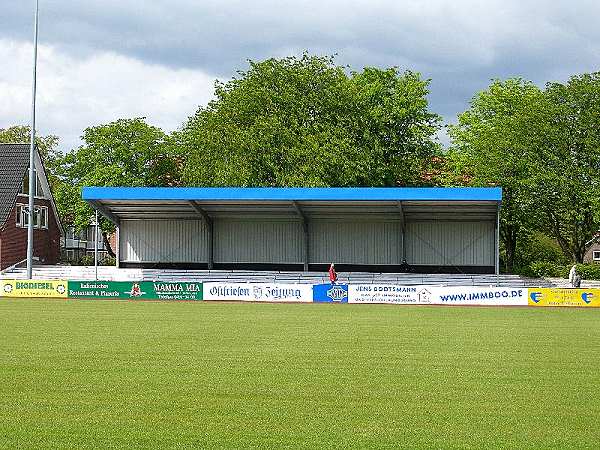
<point x="543" y="269"/>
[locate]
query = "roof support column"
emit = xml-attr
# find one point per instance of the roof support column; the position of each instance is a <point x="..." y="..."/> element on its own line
<point x="209" y="226"/>
<point x="118" y="249"/>
<point x="211" y="240"/>
<point x="403" y="231"/>
<point x="306" y="241"/>
<point x="497" y="246"/>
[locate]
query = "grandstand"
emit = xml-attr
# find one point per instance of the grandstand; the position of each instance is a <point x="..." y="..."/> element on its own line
<point x="110" y="273"/>
<point x="432" y="230"/>
<point x="401" y="236"/>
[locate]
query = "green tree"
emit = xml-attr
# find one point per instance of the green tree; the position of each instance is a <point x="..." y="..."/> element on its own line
<point x="127" y="152"/>
<point x="491" y="144"/>
<point x="306" y="122"/>
<point x="566" y="179"/>
<point x="543" y="148"/>
<point x="46" y="145"/>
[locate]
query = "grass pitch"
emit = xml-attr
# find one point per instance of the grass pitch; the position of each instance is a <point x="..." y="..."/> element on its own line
<point x="102" y="374"/>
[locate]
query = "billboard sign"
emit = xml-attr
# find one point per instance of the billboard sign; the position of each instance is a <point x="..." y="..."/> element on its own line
<point x="389" y="293"/>
<point x="564" y="297"/>
<point x="479" y="295"/>
<point x="34" y="288"/>
<point x="330" y="293"/>
<point x="144" y="290"/>
<point x="258" y="292"/>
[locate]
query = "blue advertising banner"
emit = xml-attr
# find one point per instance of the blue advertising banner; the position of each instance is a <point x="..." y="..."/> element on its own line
<point x="330" y="293"/>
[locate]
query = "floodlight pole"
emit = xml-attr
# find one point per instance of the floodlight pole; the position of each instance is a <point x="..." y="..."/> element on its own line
<point x="32" y="177"/>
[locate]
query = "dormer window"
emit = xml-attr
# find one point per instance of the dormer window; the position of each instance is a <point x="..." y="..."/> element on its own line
<point x="38" y="185"/>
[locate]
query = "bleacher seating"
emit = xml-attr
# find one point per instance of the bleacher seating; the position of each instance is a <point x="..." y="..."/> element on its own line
<point x="242" y="276"/>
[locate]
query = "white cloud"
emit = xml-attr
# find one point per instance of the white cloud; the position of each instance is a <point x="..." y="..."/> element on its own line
<point x="105" y="59"/>
<point x="74" y="93"/>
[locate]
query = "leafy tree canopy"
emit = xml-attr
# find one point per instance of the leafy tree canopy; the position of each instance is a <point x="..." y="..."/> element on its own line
<point x="306" y="122"/>
<point x="566" y="180"/>
<point x="490" y="144"/>
<point x="127" y="152"/>
<point x="46" y="145"/>
<point x="543" y="148"/>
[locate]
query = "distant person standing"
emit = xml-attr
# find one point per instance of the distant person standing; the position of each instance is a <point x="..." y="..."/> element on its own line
<point x="332" y="274"/>
<point x="573" y="276"/>
<point x="404" y="267"/>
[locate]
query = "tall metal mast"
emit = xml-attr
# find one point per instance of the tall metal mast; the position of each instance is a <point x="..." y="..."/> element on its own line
<point x="32" y="176"/>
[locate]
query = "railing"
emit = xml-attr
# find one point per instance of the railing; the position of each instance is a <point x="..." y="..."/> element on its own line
<point x="75" y="244"/>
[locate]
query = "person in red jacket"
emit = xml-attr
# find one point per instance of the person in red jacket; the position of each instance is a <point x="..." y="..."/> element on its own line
<point x="332" y="274"/>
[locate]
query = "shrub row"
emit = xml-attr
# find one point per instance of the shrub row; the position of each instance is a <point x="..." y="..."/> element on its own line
<point x="543" y="269"/>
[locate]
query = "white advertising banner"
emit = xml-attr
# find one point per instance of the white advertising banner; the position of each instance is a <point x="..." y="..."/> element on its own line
<point x="389" y="293"/>
<point x="258" y="292"/>
<point x="479" y="295"/>
<point x="437" y="295"/>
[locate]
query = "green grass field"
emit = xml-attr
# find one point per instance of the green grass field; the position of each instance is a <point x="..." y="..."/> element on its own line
<point x="102" y="374"/>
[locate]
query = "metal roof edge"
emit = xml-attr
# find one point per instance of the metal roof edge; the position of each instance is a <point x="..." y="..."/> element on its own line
<point x="93" y="193"/>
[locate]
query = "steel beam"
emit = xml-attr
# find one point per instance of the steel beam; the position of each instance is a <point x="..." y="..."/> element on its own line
<point x="497" y="246"/>
<point x="209" y="225"/>
<point x="403" y="230"/>
<point x="304" y="221"/>
<point x="118" y="249"/>
<point x="105" y="212"/>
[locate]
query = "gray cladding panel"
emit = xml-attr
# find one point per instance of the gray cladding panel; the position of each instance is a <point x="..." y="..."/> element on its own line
<point x="349" y="242"/>
<point x="450" y="243"/>
<point x="167" y="241"/>
<point x="258" y="241"/>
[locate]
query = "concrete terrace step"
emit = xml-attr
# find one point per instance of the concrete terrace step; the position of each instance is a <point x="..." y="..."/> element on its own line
<point x="243" y="276"/>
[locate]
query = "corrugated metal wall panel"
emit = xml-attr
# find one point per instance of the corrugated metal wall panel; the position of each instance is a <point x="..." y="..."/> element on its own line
<point x="355" y="242"/>
<point x="258" y="241"/>
<point x="166" y="241"/>
<point x="450" y="243"/>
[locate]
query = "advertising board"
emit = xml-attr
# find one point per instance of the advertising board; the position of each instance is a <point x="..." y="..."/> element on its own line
<point x="330" y="293"/>
<point x="479" y="295"/>
<point x="258" y="292"/>
<point x="389" y="293"/>
<point x="34" y="288"/>
<point x="588" y="298"/>
<point x="144" y="290"/>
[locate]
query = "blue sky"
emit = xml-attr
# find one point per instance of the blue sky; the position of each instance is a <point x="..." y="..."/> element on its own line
<point x="104" y="60"/>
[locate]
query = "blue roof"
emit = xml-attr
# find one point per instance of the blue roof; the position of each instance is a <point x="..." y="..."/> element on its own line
<point x="292" y="194"/>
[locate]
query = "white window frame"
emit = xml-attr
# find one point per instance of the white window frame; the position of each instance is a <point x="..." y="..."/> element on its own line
<point x="42" y="218"/>
<point x="40" y="215"/>
<point x="596" y="255"/>
<point x="39" y="190"/>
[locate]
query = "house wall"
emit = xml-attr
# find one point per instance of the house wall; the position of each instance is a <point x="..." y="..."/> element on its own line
<point x="13" y="239"/>
<point x="75" y="246"/>
<point x="589" y="255"/>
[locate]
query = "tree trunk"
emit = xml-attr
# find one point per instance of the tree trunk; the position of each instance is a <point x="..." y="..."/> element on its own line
<point x="509" y="237"/>
<point x="107" y="245"/>
<point x="579" y="253"/>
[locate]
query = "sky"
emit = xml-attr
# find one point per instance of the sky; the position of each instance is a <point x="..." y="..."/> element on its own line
<point x="101" y="60"/>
